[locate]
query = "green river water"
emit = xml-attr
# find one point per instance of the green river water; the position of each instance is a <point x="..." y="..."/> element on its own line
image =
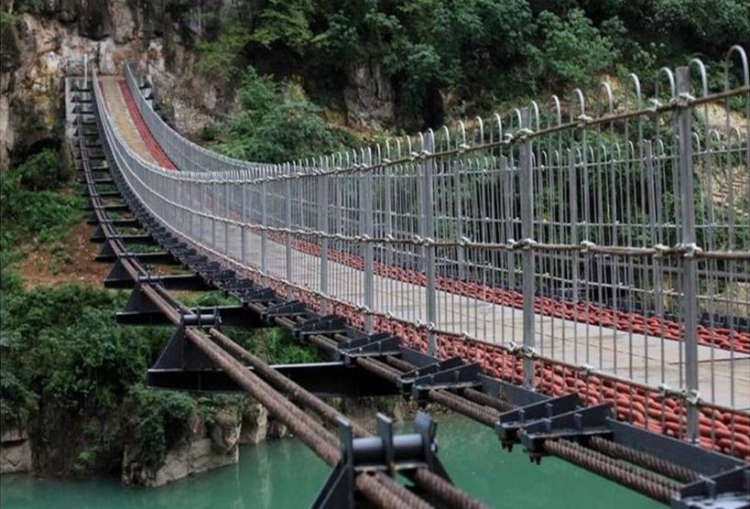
<point x="284" y="473"/>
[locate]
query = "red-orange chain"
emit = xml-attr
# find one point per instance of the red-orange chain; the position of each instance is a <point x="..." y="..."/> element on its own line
<point x="582" y="312"/>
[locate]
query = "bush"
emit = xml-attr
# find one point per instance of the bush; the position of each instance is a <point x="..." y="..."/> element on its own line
<point x="64" y="343"/>
<point x="33" y="208"/>
<point x="277" y="123"/>
<point x="43" y="172"/>
<point x="219" y="58"/>
<point x="159" y="419"/>
<point x="208" y="133"/>
<point x="574" y="52"/>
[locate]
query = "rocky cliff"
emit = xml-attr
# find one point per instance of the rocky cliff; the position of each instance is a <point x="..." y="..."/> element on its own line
<point x="43" y="41"/>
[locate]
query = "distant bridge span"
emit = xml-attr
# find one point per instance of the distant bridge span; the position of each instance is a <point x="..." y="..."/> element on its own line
<point x="606" y="255"/>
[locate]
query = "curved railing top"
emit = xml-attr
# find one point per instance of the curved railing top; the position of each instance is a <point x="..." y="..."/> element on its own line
<point x="480" y="134"/>
<point x="182" y="150"/>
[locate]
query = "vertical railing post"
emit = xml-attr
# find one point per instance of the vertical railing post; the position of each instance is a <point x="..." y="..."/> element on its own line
<point x="576" y="257"/>
<point x="366" y="225"/>
<point x="264" y="233"/>
<point x="527" y="231"/>
<point x="227" y="210"/>
<point x="245" y="221"/>
<point x="288" y="224"/>
<point x="428" y="229"/>
<point x="323" y="228"/>
<point x="689" y="263"/>
<point x="214" y="189"/>
<point x="191" y="201"/>
<point x="387" y="205"/>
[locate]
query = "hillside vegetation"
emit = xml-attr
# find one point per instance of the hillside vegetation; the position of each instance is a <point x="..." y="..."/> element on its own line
<point x="459" y="57"/>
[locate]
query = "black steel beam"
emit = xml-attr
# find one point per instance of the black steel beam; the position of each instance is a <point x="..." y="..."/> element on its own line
<point x="184" y="282"/>
<point x="231" y="316"/>
<point x="324" y="379"/>
<point x="158" y="258"/>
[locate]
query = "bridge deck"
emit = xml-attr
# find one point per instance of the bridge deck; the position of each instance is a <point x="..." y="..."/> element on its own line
<point x="638" y="357"/>
<point x="129" y="123"/>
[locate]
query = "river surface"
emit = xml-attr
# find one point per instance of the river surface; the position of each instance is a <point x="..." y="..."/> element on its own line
<point x="285" y="474"/>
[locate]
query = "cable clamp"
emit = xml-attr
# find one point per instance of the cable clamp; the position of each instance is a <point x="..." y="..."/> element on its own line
<point x="526" y="244"/>
<point x="690" y="250"/>
<point x="655" y="104"/>
<point x="587" y="369"/>
<point x="664" y="390"/>
<point x="583" y="120"/>
<point x="661" y="250"/>
<point x="692" y="397"/>
<point x="521" y="350"/>
<point x="524" y="134"/>
<point x="682" y="101"/>
<point x="587" y="245"/>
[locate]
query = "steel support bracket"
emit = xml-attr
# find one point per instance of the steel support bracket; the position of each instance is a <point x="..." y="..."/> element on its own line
<point x="327" y="325"/>
<point x="462" y="376"/>
<point x="372" y="345"/>
<point x="255" y="295"/>
<point x="406" y="380"/>
<point x="284" y="309"/>
<point x="727" y="490"/>
<point x="575" y="425"/>
<point x="181" y="353"/>
<point x="510" y="423"/>
<point x="236" y="285"/>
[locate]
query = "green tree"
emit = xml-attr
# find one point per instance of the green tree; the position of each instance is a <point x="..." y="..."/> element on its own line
<point x="277" y="123"/>
<point x="285" y="22"/>
<point x="573" y="51"/>
<point x="219" y="58"/>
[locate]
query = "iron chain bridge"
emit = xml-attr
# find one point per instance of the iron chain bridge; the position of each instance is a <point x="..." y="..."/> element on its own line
<point x="574" y="275"/>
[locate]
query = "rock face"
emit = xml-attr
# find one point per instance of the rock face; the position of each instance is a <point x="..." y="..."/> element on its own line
<point x="369" y="97"/>
<point x="39" y="49"/>
<point x="15" y="451"/>
<point x="206" y="446"/>
<point x="254" y="424"/>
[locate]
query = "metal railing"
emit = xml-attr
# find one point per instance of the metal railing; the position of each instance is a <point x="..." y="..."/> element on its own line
<point x="615" y="244"/>
<point x="183" y="152"/>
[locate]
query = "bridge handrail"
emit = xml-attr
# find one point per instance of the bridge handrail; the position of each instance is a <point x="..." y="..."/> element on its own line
<point x="579" y="219"/>
<point x="186" y="154"/>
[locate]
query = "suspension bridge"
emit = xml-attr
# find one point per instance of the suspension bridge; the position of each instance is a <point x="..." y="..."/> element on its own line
<point x="573" y="275"/>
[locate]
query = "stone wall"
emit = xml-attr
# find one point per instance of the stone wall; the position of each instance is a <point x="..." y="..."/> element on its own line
<point x="15" y="450"/>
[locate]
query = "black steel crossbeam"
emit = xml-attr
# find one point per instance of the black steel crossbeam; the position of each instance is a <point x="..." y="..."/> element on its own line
<point x="325" y="379"/>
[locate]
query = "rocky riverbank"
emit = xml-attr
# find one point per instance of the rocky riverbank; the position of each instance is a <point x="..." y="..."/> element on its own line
<point x="210" y="440"/>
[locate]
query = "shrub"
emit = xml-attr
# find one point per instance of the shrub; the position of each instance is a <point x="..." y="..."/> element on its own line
<point x="573" y="51"/>
<point x="33" y="209"/>
<point x="277" y="123"/>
